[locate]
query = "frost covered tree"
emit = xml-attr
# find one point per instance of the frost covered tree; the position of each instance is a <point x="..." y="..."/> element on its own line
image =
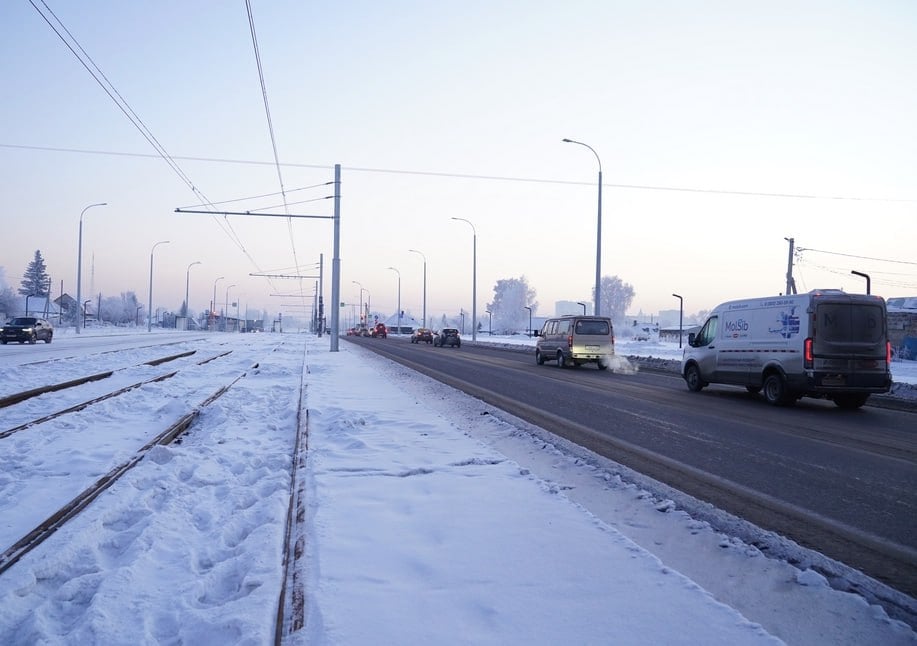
<point x="120" y="310"/>
<point x="511" y="297"/>
<point x="617" y="297"/>
<point x="35" y="280"/>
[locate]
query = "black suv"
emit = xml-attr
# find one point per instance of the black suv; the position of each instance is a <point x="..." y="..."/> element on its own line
<point x="26" y="328"/>
<point x="448" y="336"/>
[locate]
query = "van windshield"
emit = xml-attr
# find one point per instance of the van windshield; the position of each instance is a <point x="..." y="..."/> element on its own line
<point x="850" y="323"/>
<point x="592" y="327"/>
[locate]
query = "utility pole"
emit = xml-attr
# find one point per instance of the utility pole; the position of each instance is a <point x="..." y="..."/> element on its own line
<point x="790" y="282"/>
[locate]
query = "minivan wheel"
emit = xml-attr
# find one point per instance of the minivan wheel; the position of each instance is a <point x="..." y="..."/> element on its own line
<point x="775" y="391"/>
<point x="693" y="380"/>
<point x="561" y="360"/>
<point x="539" y="358"/>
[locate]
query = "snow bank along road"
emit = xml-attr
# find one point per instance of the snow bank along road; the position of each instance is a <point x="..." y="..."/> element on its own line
<point x="839" y="482"/>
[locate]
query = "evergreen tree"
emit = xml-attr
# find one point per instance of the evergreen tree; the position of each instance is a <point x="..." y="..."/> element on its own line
<point x="35" y="281"/>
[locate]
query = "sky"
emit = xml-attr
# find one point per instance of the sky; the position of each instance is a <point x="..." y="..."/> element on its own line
<point x="427" y="520"/>
<point x="721" y="132"/>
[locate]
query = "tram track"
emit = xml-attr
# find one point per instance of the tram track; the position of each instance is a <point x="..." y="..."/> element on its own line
<point x="33" y="538"/>
<point x="16" y="398"/>
<point x="73" y="383"/>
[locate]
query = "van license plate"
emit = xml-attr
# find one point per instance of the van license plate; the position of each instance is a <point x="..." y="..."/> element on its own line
<point x="833" y="380"/>
<point x="592" y="348"/>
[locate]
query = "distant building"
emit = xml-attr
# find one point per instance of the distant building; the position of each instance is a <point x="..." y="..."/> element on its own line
<point x="67" y="306"/>
<point x="902" y="326"/>
<point x="570" y="308"/>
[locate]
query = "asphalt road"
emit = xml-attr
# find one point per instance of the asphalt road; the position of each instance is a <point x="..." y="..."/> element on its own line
<point x="839" y="482"/>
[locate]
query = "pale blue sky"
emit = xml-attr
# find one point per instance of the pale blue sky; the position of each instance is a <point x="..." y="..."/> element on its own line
<point x="427" y="105"/>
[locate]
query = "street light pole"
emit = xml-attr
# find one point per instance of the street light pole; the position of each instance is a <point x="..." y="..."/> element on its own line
<point x="866" y="276"/>
<point x="226" y="306"/>
<point x="490" y="323"/>
<point x="79" y="265"/>
<point x="530" y="318"/>
<point x="584" y="306"/>
<point x="474" y="280"/>
<point x="187" y="283"/>
<point x="362" y="305"/>
<point x="424" y="284"/>
<point x="598" y="235"/>
<point x="149" y="314"/>
<point x="399" y="297"/>
<point x="681" y="312"/>
<point x="213" y="303"/>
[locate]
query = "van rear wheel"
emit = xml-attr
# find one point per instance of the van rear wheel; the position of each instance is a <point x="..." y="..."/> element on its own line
<point x="775" y="390"/>
<point x="539" y="358"/>
<point x="561" y="359"/>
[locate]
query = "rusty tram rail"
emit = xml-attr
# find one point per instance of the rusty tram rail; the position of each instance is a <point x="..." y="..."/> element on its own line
<point x="20" y="397"/>
<point x="54" y="522"/>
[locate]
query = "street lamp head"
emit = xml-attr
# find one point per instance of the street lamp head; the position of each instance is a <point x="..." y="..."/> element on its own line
<point x="567" y="141"/>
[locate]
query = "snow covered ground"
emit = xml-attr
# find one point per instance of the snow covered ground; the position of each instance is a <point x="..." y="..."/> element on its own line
<point x="431" y="518"/>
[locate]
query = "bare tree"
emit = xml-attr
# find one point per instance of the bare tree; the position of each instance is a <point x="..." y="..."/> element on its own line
<point x="617" y="297"/>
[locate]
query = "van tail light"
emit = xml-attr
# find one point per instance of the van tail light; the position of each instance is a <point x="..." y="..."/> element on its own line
<point x="888" y="352"/>
<point x="808" y="356"/>
<point x="570" y="341"/>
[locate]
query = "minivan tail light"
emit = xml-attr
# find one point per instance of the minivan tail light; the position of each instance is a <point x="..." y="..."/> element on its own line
<point x="808" y="356"/>
<point x="888" y="352"/>
<point x="570" y="341"/>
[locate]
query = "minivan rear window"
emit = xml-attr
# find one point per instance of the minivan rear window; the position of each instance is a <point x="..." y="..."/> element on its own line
<point x="850" y="322"/>
<point x="597" y="327"/>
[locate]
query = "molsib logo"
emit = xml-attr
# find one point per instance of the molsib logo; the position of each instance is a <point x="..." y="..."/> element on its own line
<point x="736" y="327"/>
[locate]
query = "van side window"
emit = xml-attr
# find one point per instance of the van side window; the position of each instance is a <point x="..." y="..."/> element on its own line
<point x="707" y="334"/>
<point x="563" y="327"/>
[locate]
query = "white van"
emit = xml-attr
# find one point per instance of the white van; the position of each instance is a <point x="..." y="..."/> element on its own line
<point x="825" y="343"/>
<point x="575" y="340"/>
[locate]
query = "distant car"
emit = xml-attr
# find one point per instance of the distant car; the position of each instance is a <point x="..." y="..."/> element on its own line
<point x="422" y="335"/>
<point x="380" y="331"/>
<point x="26" y="329"/>
<point x="448" y="336"/>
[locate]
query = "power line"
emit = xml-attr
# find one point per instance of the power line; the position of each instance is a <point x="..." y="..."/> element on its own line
<point x="848" y="255"/>
<point x="531" y="180"/>
<point x="108" y="87"/>
<point x="257" y="197"/>
<point x="270" y="125"/>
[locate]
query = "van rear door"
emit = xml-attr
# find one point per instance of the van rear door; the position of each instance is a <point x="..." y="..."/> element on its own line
<point x="849" y="342"/>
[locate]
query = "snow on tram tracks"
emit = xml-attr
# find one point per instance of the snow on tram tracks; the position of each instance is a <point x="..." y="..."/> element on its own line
<point x="197" y="523"/>
<point x="74" y="400"/>
<point x="48" y="526"/>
